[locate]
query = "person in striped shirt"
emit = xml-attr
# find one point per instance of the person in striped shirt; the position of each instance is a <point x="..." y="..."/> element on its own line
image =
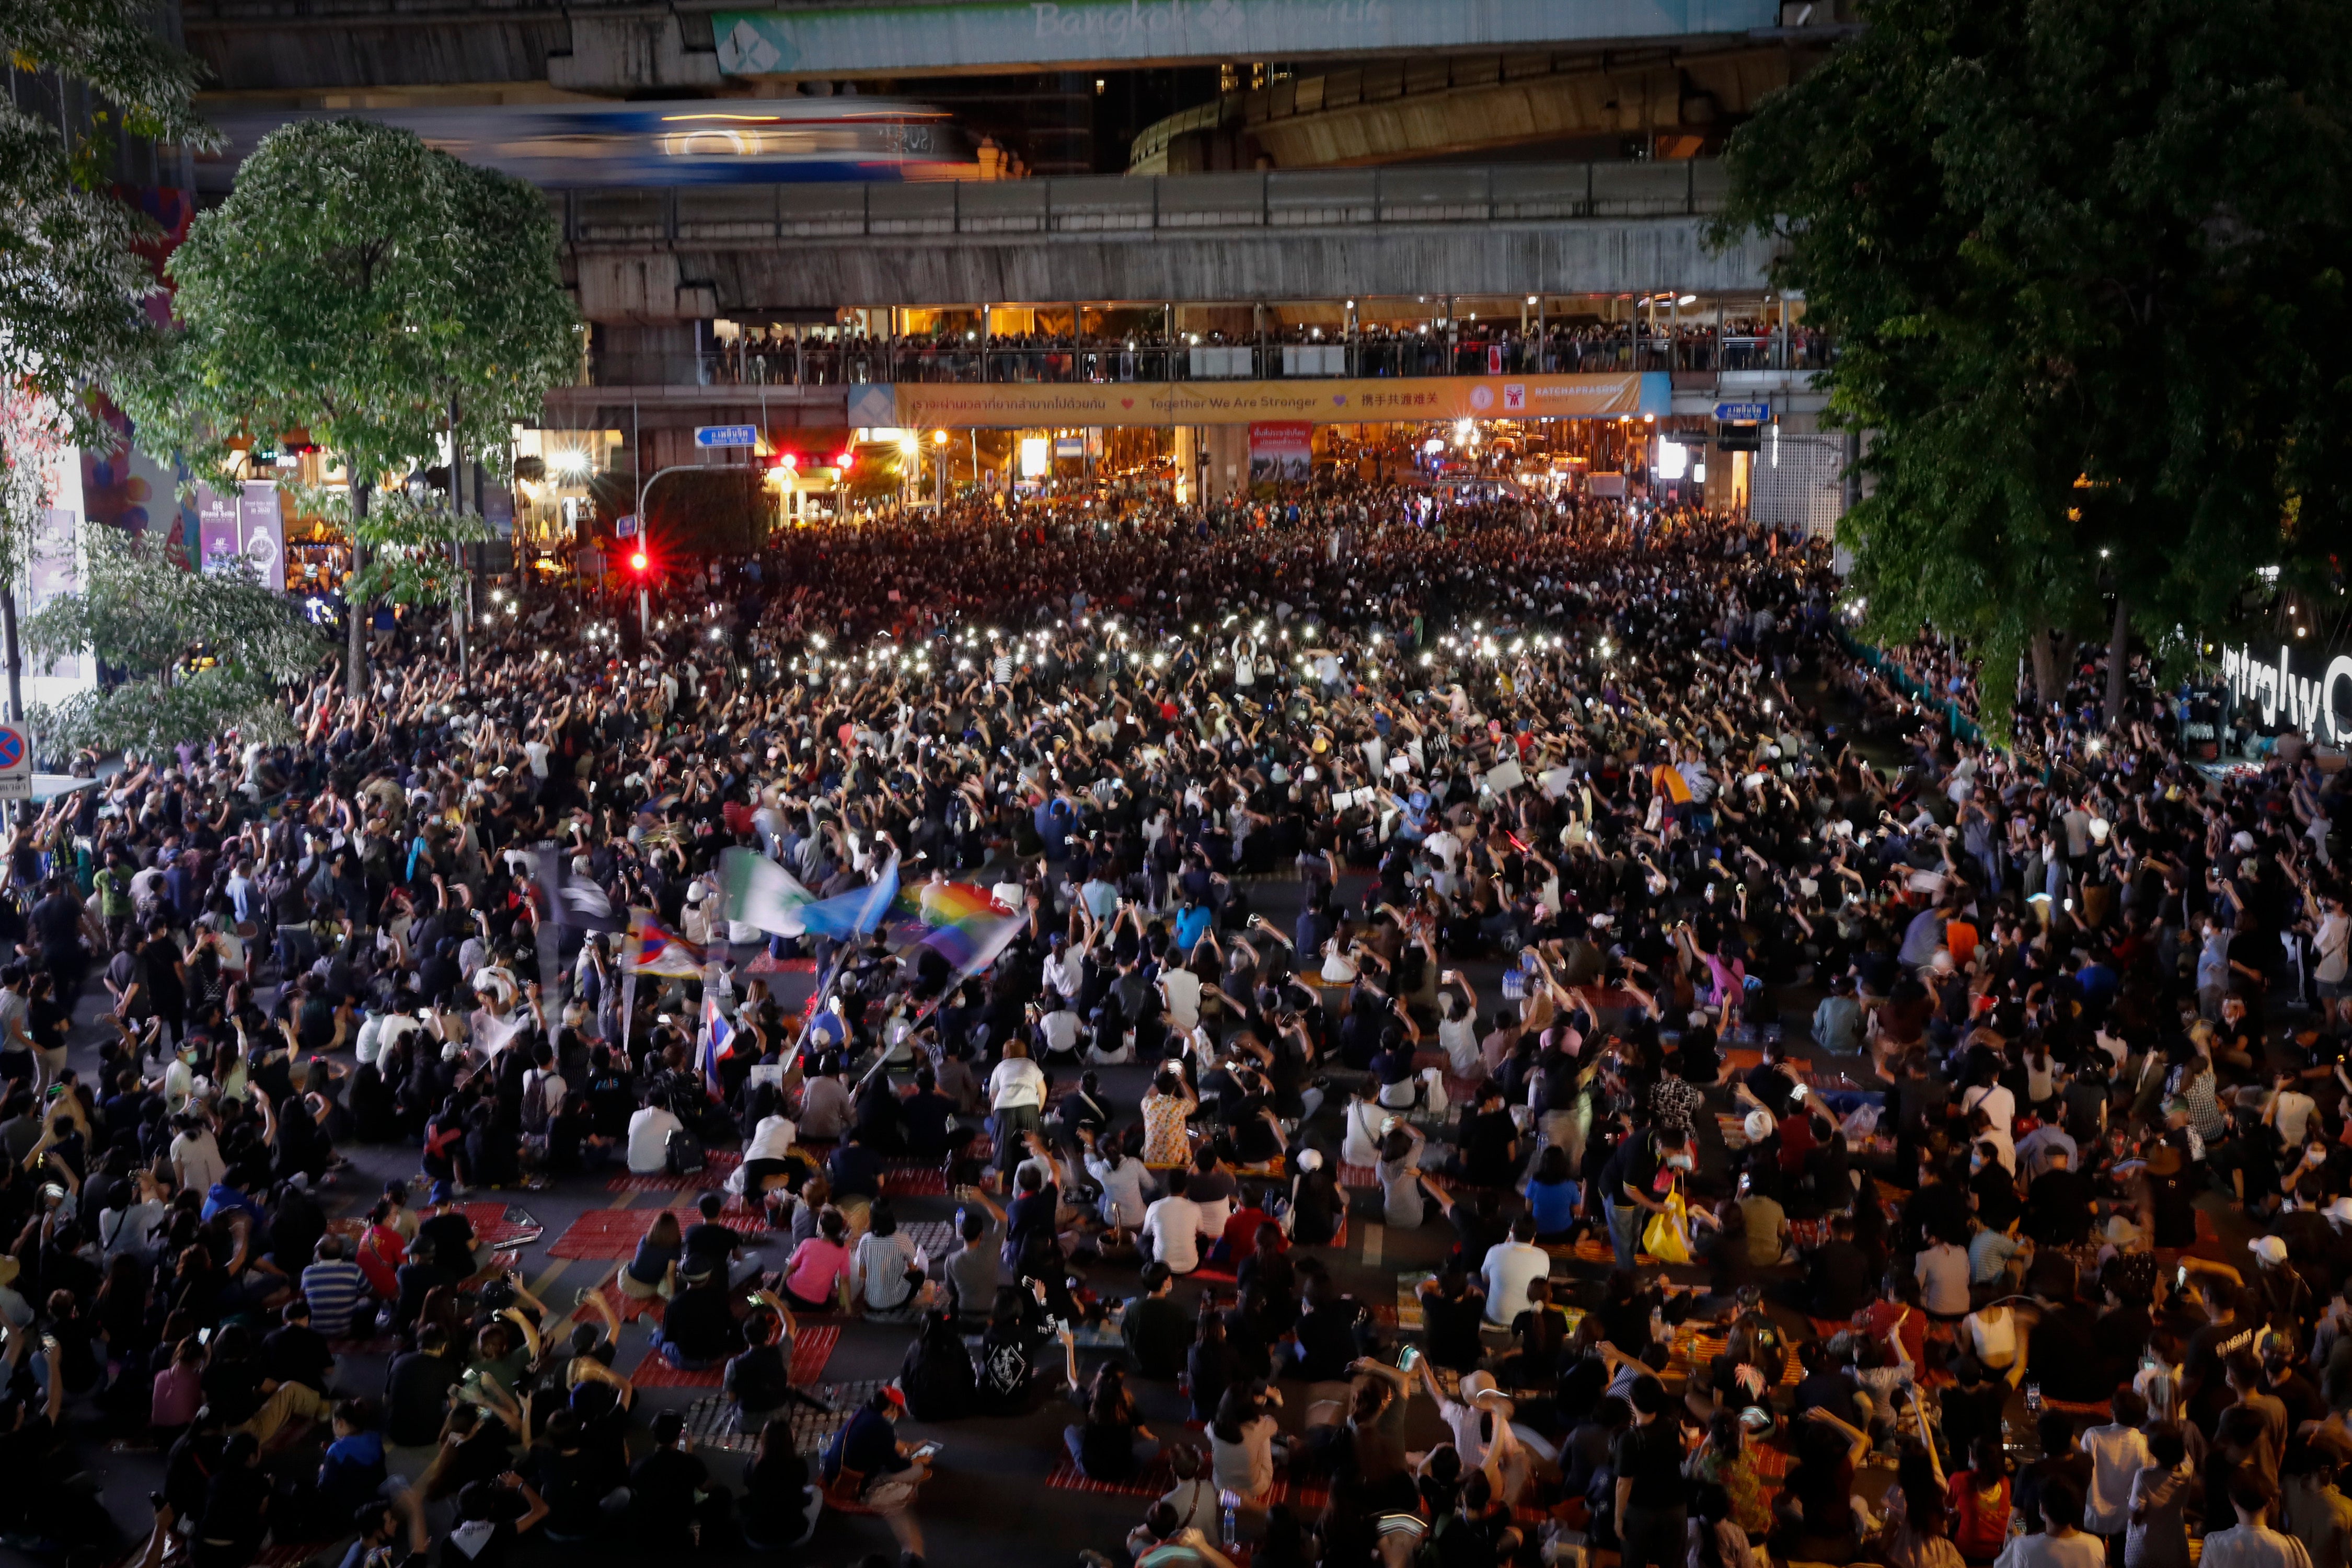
<point x="335" y="1287"/>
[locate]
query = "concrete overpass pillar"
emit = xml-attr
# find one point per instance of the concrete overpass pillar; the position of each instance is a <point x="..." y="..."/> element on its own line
<point x="1228" y="460"/>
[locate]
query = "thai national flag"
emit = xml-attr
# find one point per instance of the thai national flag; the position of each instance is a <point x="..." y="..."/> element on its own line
<point x="716" y="1034"/>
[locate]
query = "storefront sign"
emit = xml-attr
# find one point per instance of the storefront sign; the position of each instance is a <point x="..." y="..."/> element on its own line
<point x="217" y="532"/>
<point x="261" y="531"/>
<point x="2287" y="699"/>
<point x="1012" y="405"/>
<point x="981" y="33"/>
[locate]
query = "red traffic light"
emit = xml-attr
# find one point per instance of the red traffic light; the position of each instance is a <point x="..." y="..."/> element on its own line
<point x="845" y="461"/>
<point x="637" y="560"/>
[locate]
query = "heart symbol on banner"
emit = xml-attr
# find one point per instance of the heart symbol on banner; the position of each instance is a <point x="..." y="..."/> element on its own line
<point x="1338" y="400"/>
<point x="1126" y="403"/>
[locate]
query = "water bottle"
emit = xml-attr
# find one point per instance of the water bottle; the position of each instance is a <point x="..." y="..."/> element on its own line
<point x="1231" y="1503"/>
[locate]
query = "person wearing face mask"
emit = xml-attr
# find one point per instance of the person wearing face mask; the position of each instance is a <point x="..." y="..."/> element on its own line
<point x="1636" y="1183"/>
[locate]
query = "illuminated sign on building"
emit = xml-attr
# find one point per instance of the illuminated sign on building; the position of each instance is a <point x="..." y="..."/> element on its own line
<point x="2285" y="698"/>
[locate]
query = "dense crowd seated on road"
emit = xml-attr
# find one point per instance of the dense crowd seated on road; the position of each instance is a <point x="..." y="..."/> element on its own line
<point x="1834" y="1140"/>
<point x="1464" y="348"/>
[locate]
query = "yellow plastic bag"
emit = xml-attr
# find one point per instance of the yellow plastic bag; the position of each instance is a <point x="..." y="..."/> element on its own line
<point x="1667" y="1236"/>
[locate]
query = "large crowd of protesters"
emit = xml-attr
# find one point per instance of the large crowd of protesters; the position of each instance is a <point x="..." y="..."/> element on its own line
<point x="775" y="355"/>
<point x="1834" y="1140"/>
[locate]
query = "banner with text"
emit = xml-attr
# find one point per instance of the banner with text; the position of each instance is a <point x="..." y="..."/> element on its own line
<point x="1281" y="451"/>
<point x="1013" y="406"/>
<point x="986" y="34"/>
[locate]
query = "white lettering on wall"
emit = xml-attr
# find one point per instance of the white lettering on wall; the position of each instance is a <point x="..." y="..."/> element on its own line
<point x="2310" y="706"/>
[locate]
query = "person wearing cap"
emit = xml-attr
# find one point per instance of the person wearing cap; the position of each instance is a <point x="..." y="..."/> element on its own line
<point x="866" y="1462"/>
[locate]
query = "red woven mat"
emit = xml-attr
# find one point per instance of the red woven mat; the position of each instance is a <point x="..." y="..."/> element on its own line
<point x="625" y="1306"/>
<point x="1358" y="1176"/>
<point x="613" y="1235"/>
<point x="655" y="1371"/>
<point x="767" y="964"/>
<point x="495" y="1221"/>
<point x="812" y="1348"/>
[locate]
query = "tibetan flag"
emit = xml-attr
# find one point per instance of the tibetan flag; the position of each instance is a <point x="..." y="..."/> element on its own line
<point x="716" y="1034"/>
<point x="654" y="949"/>
<point x="853" y="913"/>
<point x="756" y="891"/>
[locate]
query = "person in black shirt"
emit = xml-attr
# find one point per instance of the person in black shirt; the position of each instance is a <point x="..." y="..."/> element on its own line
<point x="1648" y="1460"/>
<point x="698" y="1327"/>
<point x="2058" y="1204"/>
<point x="1452" y="1305"/>
<point x="1157" y="1330"/>
<point x="416" y="1390"/>
<point x="1838" y="1278"/>
<point x="780" y="1505"/>
<point x="1489" y="1142"/>
<point x="295" y="1352"/>
<point x="662" y="1487"/>
<point x="1328" y="1332"/>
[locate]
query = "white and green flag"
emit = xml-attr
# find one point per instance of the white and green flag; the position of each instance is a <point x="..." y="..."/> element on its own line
<point x="758" y="892"/>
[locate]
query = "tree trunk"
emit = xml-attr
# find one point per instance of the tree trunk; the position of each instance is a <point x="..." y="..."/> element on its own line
<point x="2118" y="652"/>
<point x="2044" y="653"/>
<point x="457" y="607"/>
<point x="16" y="656"/>
<point x="355" y="613"/>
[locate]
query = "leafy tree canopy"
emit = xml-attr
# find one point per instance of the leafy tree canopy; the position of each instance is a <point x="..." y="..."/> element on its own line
<point x="2084" y="259"/>
<point x="72" y="283"/>
<point x="205" y="652"/>
<point x="356" y="285"/>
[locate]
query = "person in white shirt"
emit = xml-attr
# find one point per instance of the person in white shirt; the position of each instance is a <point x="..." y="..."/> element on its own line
<point x="2250" y="1544"/>
<point x="1999" y="1104"/>
<point x="649" y="1131"/>
<point x="1016" y="1098"/>
<point x="2290" y="1111"/>
<point x="1509" y="1265"/>
<point x="1171" y="1228"/>
<point x="1181" y="989"/>
<point x="2063" y="1544"/>
<point x="879" y="1267"/>
<point x="2118" y="1452"/>
<point x="1121" y="1181"/>
<point x="196" y="1160"/>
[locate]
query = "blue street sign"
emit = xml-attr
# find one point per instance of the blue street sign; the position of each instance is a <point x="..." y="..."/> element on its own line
<point x="726" y="436"/>
<point x="625" y="527"/>
<point x="1743" y="412"/>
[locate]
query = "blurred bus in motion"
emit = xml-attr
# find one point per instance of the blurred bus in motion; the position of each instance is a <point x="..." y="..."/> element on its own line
<point x="740" y="141"/>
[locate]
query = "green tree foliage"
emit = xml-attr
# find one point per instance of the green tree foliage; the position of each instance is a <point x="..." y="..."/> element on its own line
<point x="364" y="289"/>
<point x="2084" y="260"/>
<point x="71" y="282"/>
<point x="205" y="652"/>
<point x="412" y="537"/>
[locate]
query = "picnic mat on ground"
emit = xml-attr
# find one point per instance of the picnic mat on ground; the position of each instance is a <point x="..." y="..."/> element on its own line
<point x="612" y="1235"/>
<point x="714" y="1422"/>
<point x="500" y="1224"/>
<point x="1359" y="1176"/>
<point x="717" y="1165"/>
<point x="1408" y="1299"/>
<point x="625" y="1306"/>
<point x="1593" y="1249"/>
<point x="768" y="964"/>
<point x="811" y="1350"/>
<point x="1734" y="1130"/>
<point x="1691" y="1347"/>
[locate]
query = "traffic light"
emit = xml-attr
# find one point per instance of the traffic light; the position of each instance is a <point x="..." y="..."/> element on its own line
<point x="637" y="561"/>
<point x="845" y="460"/>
